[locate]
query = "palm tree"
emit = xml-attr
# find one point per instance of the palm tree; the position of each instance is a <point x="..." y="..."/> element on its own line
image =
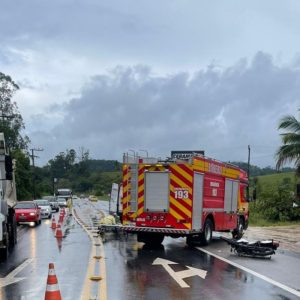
<point x="290" y="150"/>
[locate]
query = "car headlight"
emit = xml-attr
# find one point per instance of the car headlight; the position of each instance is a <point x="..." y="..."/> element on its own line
<point x="32" y="214"/>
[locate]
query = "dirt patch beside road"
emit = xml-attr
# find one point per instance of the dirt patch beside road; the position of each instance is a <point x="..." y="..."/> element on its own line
<point x="288" y="236"/>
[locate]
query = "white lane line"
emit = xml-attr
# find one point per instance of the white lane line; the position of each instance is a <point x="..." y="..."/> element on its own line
<point x="276" y="283"/>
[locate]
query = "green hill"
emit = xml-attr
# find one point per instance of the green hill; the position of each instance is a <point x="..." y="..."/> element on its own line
<point x="274" y="180"/>
<point x="275" y="198"/>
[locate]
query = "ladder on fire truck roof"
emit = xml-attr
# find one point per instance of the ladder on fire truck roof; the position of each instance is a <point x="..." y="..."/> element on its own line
<point x="136" y="159"/>
<point x="132" y="183"/>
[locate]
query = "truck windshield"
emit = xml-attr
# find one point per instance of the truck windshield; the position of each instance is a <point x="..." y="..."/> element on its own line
<point x="63" y="193"/>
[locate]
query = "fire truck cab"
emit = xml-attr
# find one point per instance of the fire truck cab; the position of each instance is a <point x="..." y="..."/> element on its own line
<point x="177" y="198"/>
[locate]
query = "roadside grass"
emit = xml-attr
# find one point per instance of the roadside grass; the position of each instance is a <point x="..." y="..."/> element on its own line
<point x="275" y="179"/>
<point x="256" y="220"/>
<point x="104" y="198"/>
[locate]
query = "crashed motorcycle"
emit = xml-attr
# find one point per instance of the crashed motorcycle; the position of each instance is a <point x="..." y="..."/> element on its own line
<point x="252" y="249"/>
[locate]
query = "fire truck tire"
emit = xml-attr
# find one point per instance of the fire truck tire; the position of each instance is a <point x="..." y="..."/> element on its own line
<point x="190" y="241"/>
<point x="150" y="239"/>
<point x="206" y="235"/>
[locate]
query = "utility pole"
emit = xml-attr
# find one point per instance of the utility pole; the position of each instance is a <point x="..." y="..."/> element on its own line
<point x="33" y="156"/>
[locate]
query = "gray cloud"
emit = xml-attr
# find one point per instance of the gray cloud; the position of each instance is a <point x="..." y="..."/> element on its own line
<point x="218" y="110"/>
<point x="173" y="34"/>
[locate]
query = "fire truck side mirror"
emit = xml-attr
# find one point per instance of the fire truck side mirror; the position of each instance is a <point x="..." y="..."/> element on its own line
<point x="8" y="167"/>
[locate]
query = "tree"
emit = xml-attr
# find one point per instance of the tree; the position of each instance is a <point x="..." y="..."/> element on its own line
<point x="23" y="175"/>
<point x="82" y="166"/>
<point x="58" y="165"/>
<point x="275" y="202"/>
<point x="11" y="121"/>
<point x="290" y="150"/>
<point x="70" y="157"/>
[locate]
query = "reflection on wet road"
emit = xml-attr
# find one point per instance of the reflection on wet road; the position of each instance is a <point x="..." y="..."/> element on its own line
<point x="69" y="255"/>
<point x="132" y="275"/>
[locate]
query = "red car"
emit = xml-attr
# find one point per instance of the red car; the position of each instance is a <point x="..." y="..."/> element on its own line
<point x="28" y="211"/>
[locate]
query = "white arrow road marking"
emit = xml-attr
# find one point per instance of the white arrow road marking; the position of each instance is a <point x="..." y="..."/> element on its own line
<point x="10" y="278"/>
<point x="178" y="276"/>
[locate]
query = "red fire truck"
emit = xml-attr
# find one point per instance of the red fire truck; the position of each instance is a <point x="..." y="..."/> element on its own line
<point x="191" y="198"/>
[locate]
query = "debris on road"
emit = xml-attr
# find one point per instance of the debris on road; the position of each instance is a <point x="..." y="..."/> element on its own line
<point x="243" y="247"/>
<point x="108" y="220"/>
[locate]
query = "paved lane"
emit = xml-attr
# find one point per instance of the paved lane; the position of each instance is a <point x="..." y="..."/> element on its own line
<point x="134" y="271"/>
<point x="70" y="257"/>
<point x="132" y="275"/>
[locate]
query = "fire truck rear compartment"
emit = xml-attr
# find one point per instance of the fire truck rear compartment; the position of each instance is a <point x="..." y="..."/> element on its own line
<point x="157" y="186"/>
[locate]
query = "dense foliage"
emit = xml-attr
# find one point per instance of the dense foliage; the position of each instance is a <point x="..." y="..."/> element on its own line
<point x="11" y="121"/>
<point x="276" y="198"/>
<point x="78" y="172"/>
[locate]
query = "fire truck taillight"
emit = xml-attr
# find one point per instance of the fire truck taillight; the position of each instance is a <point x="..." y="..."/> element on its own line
<point x="148" y="218"/>
<point x="162" y="218"/>
<point x="154" y="218"/>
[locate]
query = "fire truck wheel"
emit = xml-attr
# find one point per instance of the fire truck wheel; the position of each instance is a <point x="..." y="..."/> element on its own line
<point x="206" y="235"/>
<point x="150" y="239"/>
<point x="157" y="239"/>
<point x="190" y="241"/>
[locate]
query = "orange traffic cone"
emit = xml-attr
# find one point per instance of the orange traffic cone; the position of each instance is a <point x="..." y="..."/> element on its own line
<point x="58" y="232"/>
<point x="53" y="224"/>
<point x="61" y="218"/>
<point x="52" y="290"/>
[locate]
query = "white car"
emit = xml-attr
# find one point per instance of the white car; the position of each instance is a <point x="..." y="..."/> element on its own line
<point x="53" y="202"/>
<point x="44" y="205"/>
<point x="62" y="201"/>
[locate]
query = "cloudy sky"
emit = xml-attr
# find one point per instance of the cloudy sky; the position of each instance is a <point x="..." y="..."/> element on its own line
<point x="157" y="75"/>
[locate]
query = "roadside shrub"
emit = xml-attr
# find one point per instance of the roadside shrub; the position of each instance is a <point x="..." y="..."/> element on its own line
<point x="275" y="203"/>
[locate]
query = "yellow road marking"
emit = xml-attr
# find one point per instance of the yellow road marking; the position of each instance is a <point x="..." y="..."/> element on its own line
<point x="96" y="242"/>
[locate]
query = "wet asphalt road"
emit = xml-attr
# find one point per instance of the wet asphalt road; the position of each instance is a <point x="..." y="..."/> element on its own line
<point x="130" y="272"/>
<point x="132" y="275"/>
<point x="70" y="257"/>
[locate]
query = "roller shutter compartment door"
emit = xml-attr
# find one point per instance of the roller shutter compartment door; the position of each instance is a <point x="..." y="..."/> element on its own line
<point x="157" y="190"/>
<point x="231" y="195"/>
